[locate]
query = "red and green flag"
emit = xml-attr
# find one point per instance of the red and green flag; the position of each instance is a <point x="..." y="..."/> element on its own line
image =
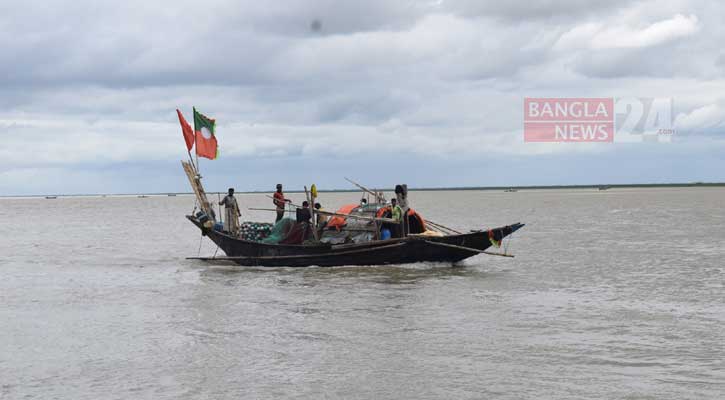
<point x="206" y="144"/>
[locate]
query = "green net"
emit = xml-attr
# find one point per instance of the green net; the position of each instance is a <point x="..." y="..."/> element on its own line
<point x="279" y="231"/>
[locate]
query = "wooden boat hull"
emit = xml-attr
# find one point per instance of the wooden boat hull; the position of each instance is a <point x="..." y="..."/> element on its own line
<point x="380" y="252"/>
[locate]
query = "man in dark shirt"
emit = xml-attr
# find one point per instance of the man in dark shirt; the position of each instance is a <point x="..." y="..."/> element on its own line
<point x="304" y="214"/>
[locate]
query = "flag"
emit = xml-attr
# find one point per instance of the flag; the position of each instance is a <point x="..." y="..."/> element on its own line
<point x="186" y="129"/>
<point x="206" y="145"/>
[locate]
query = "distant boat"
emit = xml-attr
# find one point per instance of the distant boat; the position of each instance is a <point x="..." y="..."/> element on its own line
<point x="142" y="196"/>
<point x="511" y="190"/>
<point x="171" y="194"/>
<point x="603" y="187"/>
<point x="51" y="197"/>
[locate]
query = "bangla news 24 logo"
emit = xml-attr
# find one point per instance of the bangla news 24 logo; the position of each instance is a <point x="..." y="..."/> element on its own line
<point x="607" y="120"/>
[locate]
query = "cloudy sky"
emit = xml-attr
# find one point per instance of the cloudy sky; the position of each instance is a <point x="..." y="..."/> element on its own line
<point x="424" y="92"/>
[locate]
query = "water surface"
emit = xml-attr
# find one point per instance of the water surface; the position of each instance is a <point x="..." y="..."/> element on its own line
<point x="614" y="294"/>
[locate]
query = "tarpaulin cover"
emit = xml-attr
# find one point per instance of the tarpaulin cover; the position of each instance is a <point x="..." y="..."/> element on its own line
<point x="338" y="222"/>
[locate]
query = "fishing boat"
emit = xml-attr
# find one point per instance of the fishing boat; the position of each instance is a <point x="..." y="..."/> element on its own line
<point x="354" y="235"/>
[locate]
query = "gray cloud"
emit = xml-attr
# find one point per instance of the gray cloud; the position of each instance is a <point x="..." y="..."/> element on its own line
<point x="533" y="9"/>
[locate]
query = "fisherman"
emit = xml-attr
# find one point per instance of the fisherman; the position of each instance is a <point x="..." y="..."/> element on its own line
<point x="397" y="216"/>
<point x="231" y="208"/>
<point x="303" y="214"/>
<point x="320" y="218"/>
<point x="401" y="194"/>
<point x="279" y="202"/>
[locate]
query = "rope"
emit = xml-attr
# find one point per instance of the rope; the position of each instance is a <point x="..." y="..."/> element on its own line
<point x="219" y="197"/>
<point x="196" y="202"/>
<point x="507" y="242"/>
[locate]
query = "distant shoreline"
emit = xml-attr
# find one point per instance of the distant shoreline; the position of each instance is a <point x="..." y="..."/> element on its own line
<point x="439" y="189"/>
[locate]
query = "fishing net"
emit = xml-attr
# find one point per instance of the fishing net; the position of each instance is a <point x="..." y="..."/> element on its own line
<point x="255" y="231"/>
<point x="279" y="231"/>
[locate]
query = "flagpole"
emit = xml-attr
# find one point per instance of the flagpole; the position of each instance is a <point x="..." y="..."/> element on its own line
<point x="197" y="155"/>
<point x="191" y="160"/>
<point x="196" y="149"/>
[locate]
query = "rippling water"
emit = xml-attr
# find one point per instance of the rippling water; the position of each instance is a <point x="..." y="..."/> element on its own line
<point x="615" y="294"/>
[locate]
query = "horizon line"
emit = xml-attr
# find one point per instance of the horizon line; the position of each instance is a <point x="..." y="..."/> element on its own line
<point x="421" y="189"/>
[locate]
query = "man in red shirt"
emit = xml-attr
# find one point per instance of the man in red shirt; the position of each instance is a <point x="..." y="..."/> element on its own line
<point x="279" y="202"/>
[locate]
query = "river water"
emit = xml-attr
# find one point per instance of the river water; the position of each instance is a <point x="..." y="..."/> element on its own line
<point x="613" y="294"/>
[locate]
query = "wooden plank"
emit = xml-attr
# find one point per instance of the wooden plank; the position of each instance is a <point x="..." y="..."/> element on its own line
<point x="195" y="182"/>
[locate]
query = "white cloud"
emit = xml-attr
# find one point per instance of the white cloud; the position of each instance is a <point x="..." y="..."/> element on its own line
<point x="655" y="34"/>
<point x="702" y="118"/>
<point x="611" y="35"/>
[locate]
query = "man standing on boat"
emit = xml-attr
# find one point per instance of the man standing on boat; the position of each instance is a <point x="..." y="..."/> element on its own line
<point x="397" y="216"/>
<point x="231" y="208"/>
<point x="321" y="219"/>
<point x="279" y="202"/>
<point x="401" y="195"/>
<point x="304" y="215"/>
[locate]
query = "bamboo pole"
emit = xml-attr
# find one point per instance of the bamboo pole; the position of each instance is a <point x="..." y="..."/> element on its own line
<point x="196" y="148"/>
<point x="190" y="158"/>
<point x="431" y="227"/>
<point x="312" y="215"/>
<point x="378" y="196"/>
<point x="196" y="186"/>
<point x="439" y="228"/>
<point x="471" y="249"/>
<point x="313" y="198"/>
<point x="219" y="206"/>
<point x="334" y="214"/>
<point x="435" y="224"/>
